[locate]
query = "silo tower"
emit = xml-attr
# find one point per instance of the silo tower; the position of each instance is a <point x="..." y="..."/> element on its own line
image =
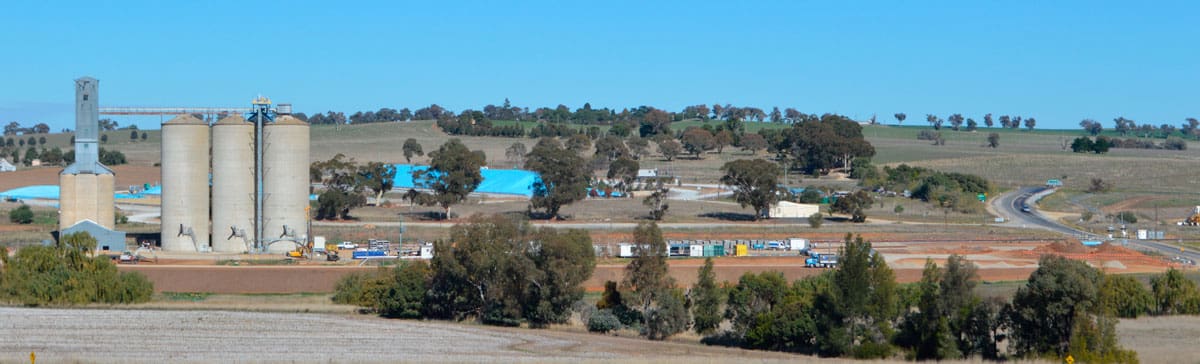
<point x="285" y="183"/>
<point x="86" y="186"/>
<point x="185" y="185"/>
<point x="233" y="183"/>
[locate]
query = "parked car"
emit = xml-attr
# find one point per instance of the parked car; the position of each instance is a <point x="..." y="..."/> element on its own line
<point x="347" y="245"/>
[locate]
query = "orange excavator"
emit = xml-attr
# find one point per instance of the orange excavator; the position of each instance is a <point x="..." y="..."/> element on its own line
<point x="1193" y="220"/>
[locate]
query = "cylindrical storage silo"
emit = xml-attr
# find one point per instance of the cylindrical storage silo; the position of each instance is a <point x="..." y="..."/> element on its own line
<point x="66" y="201"/>
<point x="86" y="196"/>
<point x="285" y="182"/>
<point x="185" y="185"/>
<point x="232" y="185"/>
<point x="106" y="201"/>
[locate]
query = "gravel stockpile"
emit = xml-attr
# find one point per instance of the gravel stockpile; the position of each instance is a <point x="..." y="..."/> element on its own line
<point x="97" y="335"/>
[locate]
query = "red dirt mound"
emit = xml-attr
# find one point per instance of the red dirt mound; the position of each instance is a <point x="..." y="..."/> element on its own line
<point x="1062" y="247"/>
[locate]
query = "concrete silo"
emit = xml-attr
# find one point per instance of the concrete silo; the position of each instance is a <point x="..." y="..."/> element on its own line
<point x="285" y="182"/>
<point x="86" y="196"/>
<point x="185" y="188"/>
<point x="232" y="185"/>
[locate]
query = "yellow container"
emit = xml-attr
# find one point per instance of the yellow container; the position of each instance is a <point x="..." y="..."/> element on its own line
<point x="742" y="250"/>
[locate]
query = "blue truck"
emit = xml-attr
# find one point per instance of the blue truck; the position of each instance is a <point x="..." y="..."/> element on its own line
<point x="360" y="254"/>
<point x="821" y="261"/>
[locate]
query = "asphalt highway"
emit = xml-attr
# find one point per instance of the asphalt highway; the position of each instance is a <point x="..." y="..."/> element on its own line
<point x="1009" y="206"/>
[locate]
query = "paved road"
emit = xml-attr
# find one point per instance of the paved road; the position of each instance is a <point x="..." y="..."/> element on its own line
<point x="1009" y="206"/>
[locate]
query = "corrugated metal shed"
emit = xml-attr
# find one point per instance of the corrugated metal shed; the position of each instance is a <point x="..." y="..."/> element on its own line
<point x="105" y="239"/>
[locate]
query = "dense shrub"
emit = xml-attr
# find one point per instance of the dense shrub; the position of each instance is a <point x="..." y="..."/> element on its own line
<point x="68" y="274"/>
<point x="1125" y="297"/>
<point x="1127" y="216"/>
<point x="21" y="215"/>
<point x="815" y="220"/>
<point x="404" y="294"/>
<point x="670" y="317"/>
<point x="1174" y="294"/>
<point x="359" y="289"/>
<point x="603" y="321"/>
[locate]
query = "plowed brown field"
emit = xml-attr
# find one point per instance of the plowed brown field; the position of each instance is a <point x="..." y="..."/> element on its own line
<point x="127" y="175"/>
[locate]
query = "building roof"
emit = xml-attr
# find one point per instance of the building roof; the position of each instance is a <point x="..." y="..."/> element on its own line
<point x="233" y="119"/>
<point x="113" y="239"/>
<point x="288" y="120"/>
<point x="185" y="119"/>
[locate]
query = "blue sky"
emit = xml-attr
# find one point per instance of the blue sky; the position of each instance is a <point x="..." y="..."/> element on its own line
<point x="1058" y="61"/>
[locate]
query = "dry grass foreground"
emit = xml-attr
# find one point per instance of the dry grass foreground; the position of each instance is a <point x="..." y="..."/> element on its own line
<point x="103" y="335"/>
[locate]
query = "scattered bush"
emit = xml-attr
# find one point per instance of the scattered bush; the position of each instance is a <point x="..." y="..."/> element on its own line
<point x="1127" y="216"/>
<point x="21" y="215"/>
<point x="929" y="135"/>
<point x="1100" y="186"/>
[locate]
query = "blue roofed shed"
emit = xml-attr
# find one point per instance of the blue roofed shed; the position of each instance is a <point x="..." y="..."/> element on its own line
<point x="105" y="239"/>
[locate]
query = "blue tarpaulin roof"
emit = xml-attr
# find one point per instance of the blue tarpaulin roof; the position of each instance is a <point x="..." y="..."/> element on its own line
<point x="31" y="192"/>
<point x="499" y="181"/>
<point x="48" y="192"/>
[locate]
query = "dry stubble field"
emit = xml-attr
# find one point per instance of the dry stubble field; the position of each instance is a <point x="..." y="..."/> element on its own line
<point x="160" y="336"/>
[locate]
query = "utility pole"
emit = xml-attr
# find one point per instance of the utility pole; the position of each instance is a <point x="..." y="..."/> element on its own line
<point x="400" y="242"/>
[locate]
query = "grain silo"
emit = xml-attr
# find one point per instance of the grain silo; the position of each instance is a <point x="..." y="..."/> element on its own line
<point x="185" y="185"/>
<point x="86" y="196"/>
<point x="285" y="182"/>
<point x="232" y="185"/>
<point x="86" y="185"/>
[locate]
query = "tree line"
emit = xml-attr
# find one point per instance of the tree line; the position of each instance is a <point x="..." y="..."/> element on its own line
<point x="584" y="114"/>
<point x="1101" y="144"/>
<point x="1189" y="129"/>
<point x="497" y="270"/>
<point x="56" y="157"/>
<point x="957" y="122"/>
